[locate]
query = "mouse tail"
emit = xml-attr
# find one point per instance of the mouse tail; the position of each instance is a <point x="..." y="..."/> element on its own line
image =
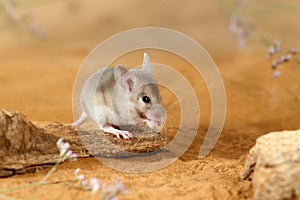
<point x="81" y="120"/>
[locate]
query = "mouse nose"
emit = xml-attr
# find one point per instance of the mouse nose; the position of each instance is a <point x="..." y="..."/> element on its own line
<point x="158" y="114"/>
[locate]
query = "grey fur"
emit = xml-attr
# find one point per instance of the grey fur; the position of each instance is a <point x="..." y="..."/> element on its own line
<point x="112" y="97"/>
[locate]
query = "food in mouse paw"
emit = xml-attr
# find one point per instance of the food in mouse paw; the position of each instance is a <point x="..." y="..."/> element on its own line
<point x="122" y="96"/>
<point x="154" y="118"/>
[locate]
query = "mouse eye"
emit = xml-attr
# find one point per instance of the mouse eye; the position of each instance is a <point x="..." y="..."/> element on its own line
<point x="146" y="99"/>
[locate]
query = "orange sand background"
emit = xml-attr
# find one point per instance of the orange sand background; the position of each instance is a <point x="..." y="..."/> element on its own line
<point x="37" y="77"/>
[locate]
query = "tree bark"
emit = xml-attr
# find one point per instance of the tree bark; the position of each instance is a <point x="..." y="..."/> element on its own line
<point x="26" y="147"/>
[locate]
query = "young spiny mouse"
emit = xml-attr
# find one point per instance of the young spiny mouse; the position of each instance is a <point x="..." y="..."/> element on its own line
<point x="116" y="97"/>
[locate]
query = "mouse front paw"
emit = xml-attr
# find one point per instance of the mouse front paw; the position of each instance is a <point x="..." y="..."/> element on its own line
<point x="125" y="134"/>
<point x="116" y="132"/>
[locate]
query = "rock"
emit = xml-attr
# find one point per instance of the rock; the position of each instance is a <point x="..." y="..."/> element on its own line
<point x="274" y="166"/>
<point x="25" y="147"/>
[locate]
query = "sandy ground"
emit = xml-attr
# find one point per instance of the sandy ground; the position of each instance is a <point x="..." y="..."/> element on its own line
<point x="37" y="78"/>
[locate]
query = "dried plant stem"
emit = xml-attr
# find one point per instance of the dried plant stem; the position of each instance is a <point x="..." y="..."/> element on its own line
<point x="29" y="185"/>
<point x="53" y="169"/>
<point x="28" y="3"/>
<point x="64" y="154"/>
<point x="38" y="183"/>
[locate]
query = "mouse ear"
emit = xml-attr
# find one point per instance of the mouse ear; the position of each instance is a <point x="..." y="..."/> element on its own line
<point x="124" y="78"/>
<point x="146" y="63"/>
<point x="119" y="71"/>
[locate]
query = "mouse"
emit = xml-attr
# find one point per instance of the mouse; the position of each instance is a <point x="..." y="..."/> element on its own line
<point x="115" y="97"/>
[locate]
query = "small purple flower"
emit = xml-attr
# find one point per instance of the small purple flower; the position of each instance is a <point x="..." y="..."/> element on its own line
<point x="94" y="183"/>
<point x="241" y="40"/>
<point x="120" y="186"/>
<point x="83" y="183"/>
<point x="294" y="50"/>
<point x="275" y="64"/>
<point x="237" y="26"/>
<point x="76" y="171"/>
<point x="73" y="157"/>
<point x="111" y="191"/>
<point x="15" y="18"/>
<point x="35" y="29"/>
<point x="10" y="12"/>
<point x="271" y="50"/>
<point x="69" y="153"/>
<point x="240" y="3"/>
<point x="281" y="59"/>
<point x="64" y="152"/>
<point x="80" y="177"/>
<point x="59" y="142"/>
<point x="277" y="45"/>
<point x="288" y="57"/>
<point x="275" y="48"/>
<point x="276" y="74"/>
<point x="63" y="148"/>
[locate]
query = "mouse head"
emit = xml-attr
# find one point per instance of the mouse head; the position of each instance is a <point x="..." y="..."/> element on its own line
<point x="144" y="100"/>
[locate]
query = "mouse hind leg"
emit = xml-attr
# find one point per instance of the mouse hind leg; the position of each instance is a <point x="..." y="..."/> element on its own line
<point x="104" y="119"/>
<point x="81" y="120"/>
